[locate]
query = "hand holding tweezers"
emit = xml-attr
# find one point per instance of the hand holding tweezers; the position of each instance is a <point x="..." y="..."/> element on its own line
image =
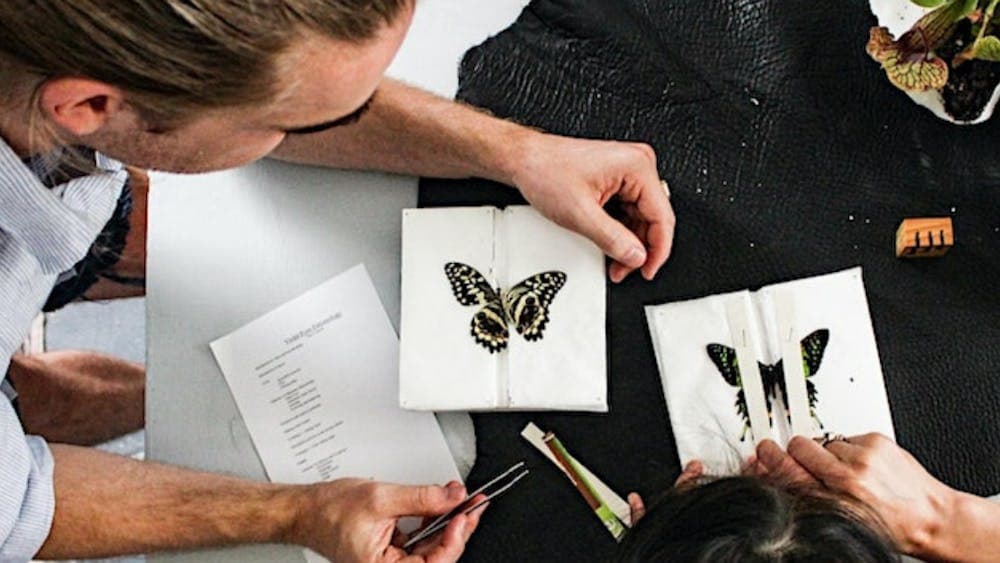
<point x="494" y="488"/>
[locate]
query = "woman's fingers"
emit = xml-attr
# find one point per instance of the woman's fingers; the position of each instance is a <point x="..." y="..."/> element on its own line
<point x="637" y="507"/>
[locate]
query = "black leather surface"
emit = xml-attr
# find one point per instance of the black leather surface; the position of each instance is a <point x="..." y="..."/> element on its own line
<point x="789" y="155"/>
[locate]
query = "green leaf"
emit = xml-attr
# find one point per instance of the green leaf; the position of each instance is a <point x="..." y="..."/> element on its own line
<point x="929" y="3"/>
<point x="967" y="7"/>
<point x="987" y="49"/>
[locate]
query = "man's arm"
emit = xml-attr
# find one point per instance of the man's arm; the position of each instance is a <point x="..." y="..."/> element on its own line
<point x="410" y="131"/>
<point x="109" y="505"/>
<point x="78" y="396"/>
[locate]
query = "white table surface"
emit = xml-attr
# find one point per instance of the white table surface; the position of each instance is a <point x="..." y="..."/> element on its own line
<point x="225" y="248"/>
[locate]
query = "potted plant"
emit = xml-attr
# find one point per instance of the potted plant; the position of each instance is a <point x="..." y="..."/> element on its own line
<point x="945" y="54"/>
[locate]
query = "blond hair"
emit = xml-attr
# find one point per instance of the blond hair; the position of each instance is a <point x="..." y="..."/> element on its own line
<point x="172" y="58"/>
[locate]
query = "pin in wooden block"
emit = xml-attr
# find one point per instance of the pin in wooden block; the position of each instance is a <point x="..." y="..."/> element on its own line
<point x="924" y="237"/>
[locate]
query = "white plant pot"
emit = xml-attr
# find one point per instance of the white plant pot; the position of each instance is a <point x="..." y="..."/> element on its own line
<point x="899" y="16"/>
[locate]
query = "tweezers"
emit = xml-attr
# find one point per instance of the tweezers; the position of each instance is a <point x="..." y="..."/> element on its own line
<point x="496" y="487"/>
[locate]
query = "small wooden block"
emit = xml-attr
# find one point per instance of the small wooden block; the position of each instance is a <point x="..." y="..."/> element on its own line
<point x="924" y="237"/>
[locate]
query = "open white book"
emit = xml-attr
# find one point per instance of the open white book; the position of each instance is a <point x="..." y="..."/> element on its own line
<point x="501" y="309"/>
<point x="792" y="358"/>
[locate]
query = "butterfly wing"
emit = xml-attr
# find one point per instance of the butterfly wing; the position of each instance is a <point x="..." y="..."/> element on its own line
<point x="489" y="327"/>
<point x="724" y="359"/>
<point x="813" y="347"/>
<point x="773" y="379"/>
<point x="489" y="324"/>
<point x="468" y="285"/>
<point x="527" y="303"/>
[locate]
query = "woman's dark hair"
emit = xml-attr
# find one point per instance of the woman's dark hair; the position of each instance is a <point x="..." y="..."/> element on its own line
<point x="749" y="520"/>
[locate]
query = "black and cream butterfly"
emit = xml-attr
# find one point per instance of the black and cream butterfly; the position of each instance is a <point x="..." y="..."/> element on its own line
<point x="526" y="305"/>
<point x="772" y="376"/>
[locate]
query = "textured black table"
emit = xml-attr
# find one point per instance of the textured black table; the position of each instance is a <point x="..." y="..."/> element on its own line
<point x="789" y="155"/>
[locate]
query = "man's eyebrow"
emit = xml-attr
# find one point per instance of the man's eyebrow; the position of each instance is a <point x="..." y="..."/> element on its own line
<point x="348" y="119"/>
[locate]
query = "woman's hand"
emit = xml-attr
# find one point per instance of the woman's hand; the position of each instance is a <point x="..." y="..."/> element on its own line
<point x="873" y="469"/>
<point x="925" y="517"/>
<point x="693" y="470"/>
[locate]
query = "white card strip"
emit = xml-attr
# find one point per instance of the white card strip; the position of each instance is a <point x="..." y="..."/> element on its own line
<point x="534" y="434"/>
<point x="745" y="343"/>
<point x="791" y="355"/>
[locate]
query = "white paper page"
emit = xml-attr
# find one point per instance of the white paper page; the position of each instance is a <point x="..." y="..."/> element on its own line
<point x="700" y="402"/>
<point x="566" y="368"/>
<point x="442" y="367"/>
<point x="850" y="390"/>
<point x="315" y="382"/>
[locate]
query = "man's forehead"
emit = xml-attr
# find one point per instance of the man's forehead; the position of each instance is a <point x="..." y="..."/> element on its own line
<point x="322" y="79"/>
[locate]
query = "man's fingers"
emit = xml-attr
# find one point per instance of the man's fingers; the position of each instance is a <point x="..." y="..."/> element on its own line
<point x="613" y="238"/>
<point x="653" y="208"/>
<point x="452" y="543"/>
<point x="430" y="500"/>
<point x="817" y="460"/>
<point x="660" y="240"/>
<point x="617" y="272"/>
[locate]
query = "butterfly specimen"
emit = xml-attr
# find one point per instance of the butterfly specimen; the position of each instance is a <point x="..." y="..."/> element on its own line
<point x="772" y="376"/>
<point x="526" y="305"/>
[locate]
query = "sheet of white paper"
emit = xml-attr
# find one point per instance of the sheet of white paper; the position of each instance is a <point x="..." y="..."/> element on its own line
<point x="703" y="405"/>
<point x="444" y="368"/>
<point x="315" y="381"/>
<point x="849" y="384"/>
<point x="569" y="363"/>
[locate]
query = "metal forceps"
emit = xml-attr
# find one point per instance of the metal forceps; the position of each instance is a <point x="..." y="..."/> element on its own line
<point x="496" y="487"/>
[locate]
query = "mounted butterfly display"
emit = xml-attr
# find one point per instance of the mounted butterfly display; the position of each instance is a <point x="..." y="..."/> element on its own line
<point x="772" y="376"/>
<point x="489" y="273"/>
<point x="525" y="305"/>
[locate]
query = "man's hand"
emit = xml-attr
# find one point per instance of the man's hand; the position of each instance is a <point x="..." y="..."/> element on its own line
<point x="570" y="180"/>
<point x="145" y="507"/>
<point x="354" y="520"/>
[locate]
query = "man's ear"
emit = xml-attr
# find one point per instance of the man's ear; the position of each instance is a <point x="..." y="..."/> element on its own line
<point x="79" y="105"/>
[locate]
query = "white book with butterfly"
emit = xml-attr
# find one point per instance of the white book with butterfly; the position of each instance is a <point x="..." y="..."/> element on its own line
<point x="501" y="310"/>
<point x="798" y="357"/>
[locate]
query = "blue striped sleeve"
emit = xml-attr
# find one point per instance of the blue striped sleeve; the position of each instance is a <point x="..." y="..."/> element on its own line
<point x="27" y="496"/>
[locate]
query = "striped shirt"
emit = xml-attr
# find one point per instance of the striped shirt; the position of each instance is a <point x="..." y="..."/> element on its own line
<point x="43" y="232"/>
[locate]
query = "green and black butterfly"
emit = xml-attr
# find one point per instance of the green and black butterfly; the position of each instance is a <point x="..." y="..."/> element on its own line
<point x="772" y="376"/>
<point x="526" y="305"/>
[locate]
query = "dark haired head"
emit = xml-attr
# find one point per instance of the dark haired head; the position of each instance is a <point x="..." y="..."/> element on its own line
<point x="748" y="520"/>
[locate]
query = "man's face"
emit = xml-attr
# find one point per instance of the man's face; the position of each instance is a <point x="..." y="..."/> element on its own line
<point x="321" y="81"/>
